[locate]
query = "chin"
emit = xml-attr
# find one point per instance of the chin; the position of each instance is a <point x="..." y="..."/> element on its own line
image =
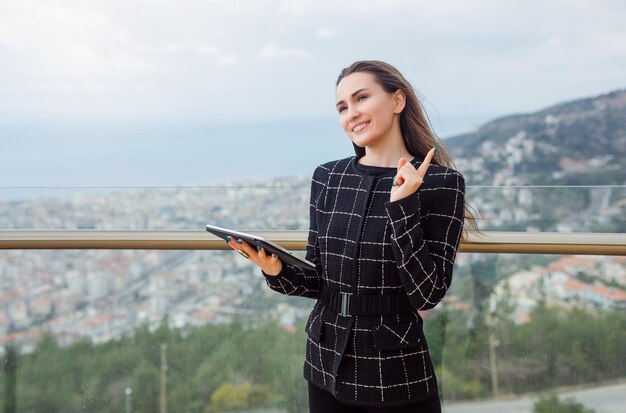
<point x="362" y="141"/>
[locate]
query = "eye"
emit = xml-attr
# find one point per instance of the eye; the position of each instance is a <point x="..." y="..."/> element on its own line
<point x="341" y="109"/>
<point x="362" y="97"/>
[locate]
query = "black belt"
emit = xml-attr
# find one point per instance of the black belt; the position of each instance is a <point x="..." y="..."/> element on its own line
<point x="348" y="304"/>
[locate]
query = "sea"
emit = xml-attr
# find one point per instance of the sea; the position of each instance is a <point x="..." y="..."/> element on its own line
<point x="43" y="158"/>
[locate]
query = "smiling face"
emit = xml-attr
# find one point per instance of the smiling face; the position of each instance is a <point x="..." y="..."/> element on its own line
<point x="367" y="113"/>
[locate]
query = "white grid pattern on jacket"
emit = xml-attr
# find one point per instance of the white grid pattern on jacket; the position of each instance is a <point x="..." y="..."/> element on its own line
<point x="362" y="243"/>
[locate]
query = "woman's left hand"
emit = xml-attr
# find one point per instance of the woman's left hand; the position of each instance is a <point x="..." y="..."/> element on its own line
<point x="408" y="179"/>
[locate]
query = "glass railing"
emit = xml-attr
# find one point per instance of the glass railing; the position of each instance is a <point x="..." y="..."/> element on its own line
<point x="283" y="205"/>
<point x="517" y="327"/>
<point x="130" y="329"/>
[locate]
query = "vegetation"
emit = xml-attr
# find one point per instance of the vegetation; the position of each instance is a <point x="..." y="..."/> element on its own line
<point x="244" y="366"/>
<point x="552" y="404"/>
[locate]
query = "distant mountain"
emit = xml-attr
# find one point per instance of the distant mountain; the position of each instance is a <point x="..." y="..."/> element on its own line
<point x="582" y="142"/>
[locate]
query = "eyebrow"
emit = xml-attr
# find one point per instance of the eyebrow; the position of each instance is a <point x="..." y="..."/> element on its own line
<point x="341" y="101"/>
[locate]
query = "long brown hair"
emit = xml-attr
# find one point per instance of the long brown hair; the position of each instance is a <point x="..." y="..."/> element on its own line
<point x="417" y="134"/>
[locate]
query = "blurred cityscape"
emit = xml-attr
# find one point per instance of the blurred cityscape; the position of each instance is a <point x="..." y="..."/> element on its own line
<point x="105" y="294"/>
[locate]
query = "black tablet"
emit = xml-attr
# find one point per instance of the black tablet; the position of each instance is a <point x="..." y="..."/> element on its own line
<point x="286" y="256"/>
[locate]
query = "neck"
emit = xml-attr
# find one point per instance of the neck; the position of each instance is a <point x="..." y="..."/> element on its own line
<point x="387" y="152"/>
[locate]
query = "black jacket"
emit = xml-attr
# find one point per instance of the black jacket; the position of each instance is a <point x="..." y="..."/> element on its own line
<point x="364" y="244"/>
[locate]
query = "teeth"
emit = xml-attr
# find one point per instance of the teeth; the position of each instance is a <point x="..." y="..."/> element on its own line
<point x="359" y="127"/>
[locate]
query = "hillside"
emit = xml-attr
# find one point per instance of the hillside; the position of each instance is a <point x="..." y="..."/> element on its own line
<point x="581" y="142"/>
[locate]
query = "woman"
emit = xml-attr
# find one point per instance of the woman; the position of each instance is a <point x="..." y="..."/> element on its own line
<point x="384" y="230"/>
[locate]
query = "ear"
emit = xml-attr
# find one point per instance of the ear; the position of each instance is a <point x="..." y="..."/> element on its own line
<point x="399" y="101"/>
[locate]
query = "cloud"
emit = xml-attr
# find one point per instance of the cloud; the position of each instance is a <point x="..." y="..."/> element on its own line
<point x="228" y="59"/>
<point x="272" y="50"/>
<point x="100" y="56"/>
<point x="67" y="87"/>
<point x="324" y="33"/>
<point x="69" y="41"/>
<point x="201" y="49"/>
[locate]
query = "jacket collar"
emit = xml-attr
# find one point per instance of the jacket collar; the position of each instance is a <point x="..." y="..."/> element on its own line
<point x="389" y="171"/>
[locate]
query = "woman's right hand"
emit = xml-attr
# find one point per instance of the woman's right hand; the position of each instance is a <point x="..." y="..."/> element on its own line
<point x="270" y="264"/>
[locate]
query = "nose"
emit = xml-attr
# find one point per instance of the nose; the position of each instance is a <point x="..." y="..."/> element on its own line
<point x="352" y="112"/>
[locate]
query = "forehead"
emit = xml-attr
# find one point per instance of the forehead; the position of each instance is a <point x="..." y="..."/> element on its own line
<point x="354" y="82"/>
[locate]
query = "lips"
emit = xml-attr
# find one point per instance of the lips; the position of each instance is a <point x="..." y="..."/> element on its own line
<point x="360" y="127"/>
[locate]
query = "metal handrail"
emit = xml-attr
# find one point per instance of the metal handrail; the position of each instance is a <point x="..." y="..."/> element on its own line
<point x="489" y="242"/>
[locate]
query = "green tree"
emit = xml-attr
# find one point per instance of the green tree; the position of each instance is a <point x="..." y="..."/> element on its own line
<point x="230" y="396"/>
<point x="45" y="385"/>
<point x="146" y="388"/>
<point x="10" y="376"/>
<point x="552" y="404"/>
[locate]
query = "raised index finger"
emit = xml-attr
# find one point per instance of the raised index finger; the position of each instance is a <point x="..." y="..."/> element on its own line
<point x="424" y="166"/>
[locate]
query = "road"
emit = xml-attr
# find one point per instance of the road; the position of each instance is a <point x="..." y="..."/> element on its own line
<point x="605" y="399"/>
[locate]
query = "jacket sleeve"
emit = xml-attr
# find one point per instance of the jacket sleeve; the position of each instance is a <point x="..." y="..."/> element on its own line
<point x="294" y="280"/>
<point x="425" y="255"/>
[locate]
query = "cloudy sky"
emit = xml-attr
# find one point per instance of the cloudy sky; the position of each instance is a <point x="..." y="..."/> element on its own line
<point x="470" y="60"/>
<point x="163" y="92"/>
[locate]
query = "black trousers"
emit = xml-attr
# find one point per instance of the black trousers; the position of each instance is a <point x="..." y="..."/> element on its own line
<point x="321" y="401"/>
